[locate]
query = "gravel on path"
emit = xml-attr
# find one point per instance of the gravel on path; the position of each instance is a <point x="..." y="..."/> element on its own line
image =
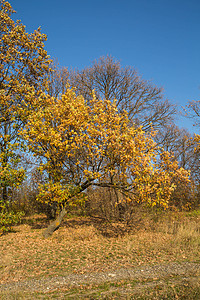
<point x="184" y="269"/>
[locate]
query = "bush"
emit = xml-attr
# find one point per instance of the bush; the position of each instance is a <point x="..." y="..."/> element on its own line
<point x="8" y="218"/>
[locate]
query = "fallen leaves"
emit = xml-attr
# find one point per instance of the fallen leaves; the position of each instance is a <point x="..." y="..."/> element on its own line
<point x="81" y="249"/>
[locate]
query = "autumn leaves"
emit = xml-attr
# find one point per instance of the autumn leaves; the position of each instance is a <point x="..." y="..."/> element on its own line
<point x="92" y="142"/>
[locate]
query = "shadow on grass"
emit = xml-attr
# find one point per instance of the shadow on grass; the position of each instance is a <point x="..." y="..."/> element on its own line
<point x="36" y="221"/>
<point x="103" y="226"/>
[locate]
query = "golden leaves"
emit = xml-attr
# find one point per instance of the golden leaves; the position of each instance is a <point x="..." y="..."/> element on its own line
<point x="93" y="141"/>
<point x="23" y="64"/>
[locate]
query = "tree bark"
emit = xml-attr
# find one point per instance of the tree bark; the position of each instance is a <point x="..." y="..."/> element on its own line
<point x="55" y="224"/>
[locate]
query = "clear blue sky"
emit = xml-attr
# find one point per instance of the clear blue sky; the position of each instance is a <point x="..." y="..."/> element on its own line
<point x="160" y="38"/>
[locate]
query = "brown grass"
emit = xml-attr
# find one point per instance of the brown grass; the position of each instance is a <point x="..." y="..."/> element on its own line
<point x="86" y="245"/>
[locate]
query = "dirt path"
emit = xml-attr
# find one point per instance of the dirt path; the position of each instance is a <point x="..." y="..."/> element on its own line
<point x="186" y="270"/>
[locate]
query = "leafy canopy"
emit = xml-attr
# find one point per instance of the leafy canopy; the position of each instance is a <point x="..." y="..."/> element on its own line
<point x="23" y="65"/>
<point x="85" y="144"/>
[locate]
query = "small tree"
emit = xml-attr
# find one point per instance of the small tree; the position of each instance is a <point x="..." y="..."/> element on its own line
<point x="93" y="144"/>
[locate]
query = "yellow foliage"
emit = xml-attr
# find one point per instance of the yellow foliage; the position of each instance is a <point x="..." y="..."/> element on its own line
<point x="92" y="143"/>
<point x="23" y="63"/>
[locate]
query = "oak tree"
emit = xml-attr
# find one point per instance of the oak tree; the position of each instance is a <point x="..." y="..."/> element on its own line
<point x="91" y="144"/>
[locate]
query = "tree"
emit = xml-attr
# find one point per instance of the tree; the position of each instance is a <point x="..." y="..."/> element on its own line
<point x="191" y="149"/>
<point x="23" y="64"/>
<point x="91" y="144"/>
<point x="193" y="111"/>
<point x="144" y="102"/>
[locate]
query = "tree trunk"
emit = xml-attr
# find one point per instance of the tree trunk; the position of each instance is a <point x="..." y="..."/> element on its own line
<point x="55" y="224"/>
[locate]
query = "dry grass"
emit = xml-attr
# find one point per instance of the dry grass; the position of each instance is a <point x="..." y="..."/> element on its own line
<point x="86" y="245"/>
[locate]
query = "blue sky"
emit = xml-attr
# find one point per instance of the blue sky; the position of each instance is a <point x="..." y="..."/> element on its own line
<point x="160" y="38"/>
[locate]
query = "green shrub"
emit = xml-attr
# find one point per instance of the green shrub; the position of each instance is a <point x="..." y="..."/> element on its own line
<point x="8" y="218"/>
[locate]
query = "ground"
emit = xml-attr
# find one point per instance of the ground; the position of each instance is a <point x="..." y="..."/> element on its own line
<point x="92" y="259"/>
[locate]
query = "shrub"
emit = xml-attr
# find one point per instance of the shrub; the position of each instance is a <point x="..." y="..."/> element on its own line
<point x="8" y="218"/>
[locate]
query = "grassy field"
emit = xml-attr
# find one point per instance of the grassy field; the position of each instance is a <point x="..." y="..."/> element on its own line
<point x="87" y="245"/>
